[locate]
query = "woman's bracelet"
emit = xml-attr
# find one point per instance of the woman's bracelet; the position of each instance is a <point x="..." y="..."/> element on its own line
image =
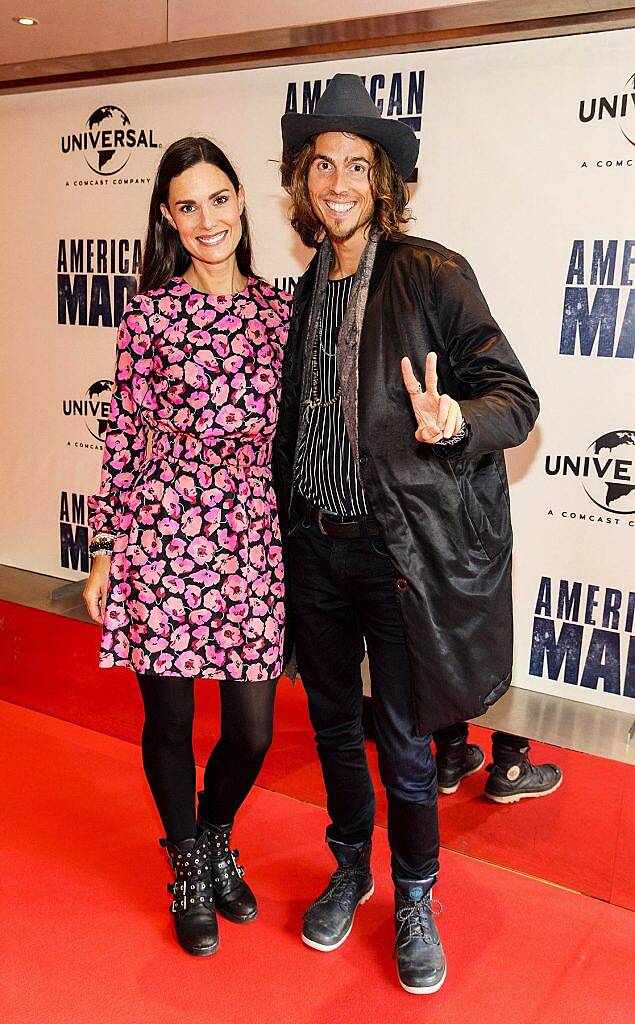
<point x="101" y="542"/>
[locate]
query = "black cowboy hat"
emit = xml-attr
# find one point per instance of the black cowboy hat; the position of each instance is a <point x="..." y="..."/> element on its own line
<point x="345" y="106"/>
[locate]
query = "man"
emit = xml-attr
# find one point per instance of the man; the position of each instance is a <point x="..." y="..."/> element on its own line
<point x="393" y="501"/>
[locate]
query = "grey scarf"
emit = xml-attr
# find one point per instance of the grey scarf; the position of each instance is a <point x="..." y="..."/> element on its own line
<point x="348" y="338"/>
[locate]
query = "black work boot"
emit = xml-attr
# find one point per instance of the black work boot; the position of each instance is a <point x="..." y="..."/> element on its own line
<point x="193" y="904"/>
<point x="456" y="758"/>
<point x="420" y="957"/>
<point x="512" y="775"/>
<point x="233" y="897"/>
<point x="329" y="919"/>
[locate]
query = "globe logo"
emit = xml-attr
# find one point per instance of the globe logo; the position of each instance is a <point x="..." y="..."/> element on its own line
<point x="109" y="155"/>
<point x="97" y="408"/>
<point x="612" y="484"/>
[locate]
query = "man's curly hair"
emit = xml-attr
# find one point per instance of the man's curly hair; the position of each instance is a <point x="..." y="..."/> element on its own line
<point x="388" y="187"/>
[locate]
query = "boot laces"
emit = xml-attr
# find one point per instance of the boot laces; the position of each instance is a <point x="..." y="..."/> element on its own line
<point x="416" y="921"/>
<point x="343" y="887"/>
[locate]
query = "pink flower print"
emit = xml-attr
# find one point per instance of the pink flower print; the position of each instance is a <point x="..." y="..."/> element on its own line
<point x="256" y="332"/>
<point x="167" y="527"/>
<point x="182" y="419"/>
<point x="239" y="386"/>
<point x="238" y="612"/>
<point x="154" y="644"/>
<point x="159" y="622"/>
<point x="255" y="403"/>
<point x="175" y="608"/>
<point x="256" y="673"/>
<point x="214" y="600"/>
<point x="226" y="563"/>
<point x="199" y="617"/>
<point x="158" y="323"/>
<point x="193" y="303"/>
<point x="227" y="539"/>
<point x="220" y="344"/>
<point x="260" y="585"/>
<point x="234" y="666"/>
<point x="230" y="418"/>
<point x="235" y="588"/>
<point x="222" y="302"/>
<point x="229" y="323"/>
<point x="175" y="584"/>
<point x="257" y="556"/>
<point x="205" y="577"/>
<point x="198" y="400"/>
<point x="146" y="304"/>
<point x="195" y="376"/>
<point x="257" y="508"/>
<point x="192" y="522"/>
<point x="175" y="333"/>
<point x="271" y="631"/>
<point x="137" y="323"/>
<point x="193" y="596"/>
<point x="237" y="519"/>
<point x="137" y="611"/>
<point x="263" y="380"/>
<point x="121" y="646"/>
<point x="219" y="391"/>
<point x="204" y="317"/>
<point x="265" y="355"/>
<point x="228" y="636"/>
<point x="169" y="306"/>
<point x="115" y="617"/>
<point x="246" y="308"/>
<point x="240" y="346"/>
<point x="202" y="550"/>
<point x="139" y="659"/>
<point x="189" y="664"/>
<point x="183" y="566"/>
<point x="163" y="664"/>
<point x="270" y="317"/>
<point x="180" y="638"/>
<point x="275" y="555"/>
<point x="258" y="608"/>
<point x="175" y="547"/>
<point x="215" y="656"/>
<point x="232" y="364"/>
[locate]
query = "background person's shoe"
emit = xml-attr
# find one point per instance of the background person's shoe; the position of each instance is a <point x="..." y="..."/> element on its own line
<point x="329" y="920"/>
<point x="512" y="775"/>
<point x="455" y="757"/>
<point x="421" y="966"/>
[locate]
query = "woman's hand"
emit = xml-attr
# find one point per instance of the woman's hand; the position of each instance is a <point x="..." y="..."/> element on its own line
<point x="438" y="416"/>
<point x="96" y="588"/>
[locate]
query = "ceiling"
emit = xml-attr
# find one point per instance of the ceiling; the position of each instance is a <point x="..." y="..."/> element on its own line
<point x="78" y="42"/>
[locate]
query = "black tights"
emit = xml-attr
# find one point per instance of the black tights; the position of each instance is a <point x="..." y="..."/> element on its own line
<point x="233" y="765"/>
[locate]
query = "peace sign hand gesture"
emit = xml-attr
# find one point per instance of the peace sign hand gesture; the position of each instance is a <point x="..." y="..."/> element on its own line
<point x="438" y="416"/>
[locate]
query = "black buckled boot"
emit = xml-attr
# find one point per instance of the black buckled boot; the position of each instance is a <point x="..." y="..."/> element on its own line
<point x="329" y="919"/>
<point x="420" y="958"/>
<point x="512" y="775"/>
<point x="233" y="897"/>
<point x="193" y="904"/>
<point x="456" y="758"/>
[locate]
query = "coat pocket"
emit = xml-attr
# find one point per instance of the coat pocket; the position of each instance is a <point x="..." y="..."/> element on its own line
<point x="485" y="502"/>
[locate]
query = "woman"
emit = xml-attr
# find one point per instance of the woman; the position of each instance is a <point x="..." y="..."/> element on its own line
<point x="187" y="574"/>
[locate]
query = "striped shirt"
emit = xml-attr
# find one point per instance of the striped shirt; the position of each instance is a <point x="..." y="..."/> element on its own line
<point x="325" y="472"/>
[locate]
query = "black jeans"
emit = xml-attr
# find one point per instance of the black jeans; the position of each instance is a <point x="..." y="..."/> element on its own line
<point x="342" y="593"/>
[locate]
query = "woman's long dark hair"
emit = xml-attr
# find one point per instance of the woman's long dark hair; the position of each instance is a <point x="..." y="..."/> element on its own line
<point x="164" y="255"/>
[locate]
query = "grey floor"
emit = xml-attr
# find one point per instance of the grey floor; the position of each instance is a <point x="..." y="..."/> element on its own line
<point x="564" y="723"/>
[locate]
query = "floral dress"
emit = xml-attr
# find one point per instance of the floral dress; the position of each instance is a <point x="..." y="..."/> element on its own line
<point x="196" y="582"/>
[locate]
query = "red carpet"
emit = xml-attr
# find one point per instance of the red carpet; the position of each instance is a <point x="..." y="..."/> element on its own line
<point x="87" y="938"/>
<point x="582" y="837"/>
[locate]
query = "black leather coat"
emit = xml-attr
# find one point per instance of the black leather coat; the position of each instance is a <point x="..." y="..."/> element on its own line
<point x="444" y="517"/>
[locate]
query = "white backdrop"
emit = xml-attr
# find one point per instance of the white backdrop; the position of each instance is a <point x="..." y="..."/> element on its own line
<point x="526" y="166"/>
